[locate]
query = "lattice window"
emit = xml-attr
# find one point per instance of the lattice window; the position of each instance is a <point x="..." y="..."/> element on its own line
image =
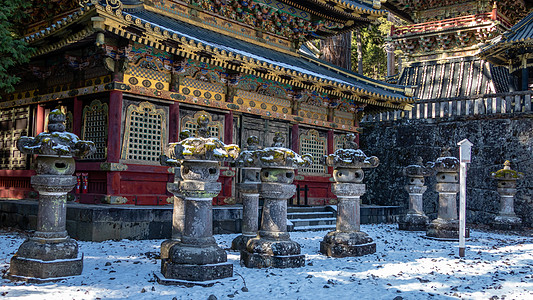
<point x="145" y="133"/>
<point x="312" y="143"/>
<point x="94" y="128"/>
<point x="215" y="128"/>
<point x="13" y="124"/>
<point x="339" y="141"/>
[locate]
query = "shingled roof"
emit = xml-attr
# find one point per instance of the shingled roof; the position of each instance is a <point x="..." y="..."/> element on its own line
<point x="503" y="48"/>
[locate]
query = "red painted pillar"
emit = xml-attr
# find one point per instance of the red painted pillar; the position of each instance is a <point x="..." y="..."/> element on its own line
<point x="228" y="128"/>
<point x="78" y="116"/>
<point x="331" y="146"/>
<point x="174" y="122"/>
<point x="39" y="120"/>
<point x="114" y="136"/>
<point x="295" y="138"/>
<point x="114" y="140"/>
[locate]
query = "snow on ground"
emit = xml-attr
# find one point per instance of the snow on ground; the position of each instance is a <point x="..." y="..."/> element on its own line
<point x="405" y="266"/>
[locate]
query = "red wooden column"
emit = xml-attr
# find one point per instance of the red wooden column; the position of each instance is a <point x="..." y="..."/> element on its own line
<point x="174" y="123"/>
<point x="78" y="111"/>
<point x="228" y="128"/>
<point x="114" y="140"/>
<point x="295" y="138"/>
<point x="331" y="147"/>
<point x="39" y="120"/>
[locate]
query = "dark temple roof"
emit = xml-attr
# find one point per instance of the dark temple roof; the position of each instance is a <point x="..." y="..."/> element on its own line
<point x="503" y="48"/>
<point x="463" y="77"/>
<point x="302" y="64"/>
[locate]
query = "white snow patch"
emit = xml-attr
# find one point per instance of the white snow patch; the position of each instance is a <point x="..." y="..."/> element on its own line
<point x="404" y="265"/>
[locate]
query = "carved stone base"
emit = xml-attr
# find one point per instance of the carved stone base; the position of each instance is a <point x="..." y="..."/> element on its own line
<point x="239" y="243"/>
<point x="258" y="261"/>
<point x="413" y="222"/>
<point x="46" y="258"/>
<point x="194" y="274"/>
<point x="265" y="253"/>
<point x="507" y="223"/>
<point x="196" y="263"/>
<point x="166" y="245"/>
<point x="347" y="244"/>
<point x="445" y="230"/>
<point x="36" y="270"/>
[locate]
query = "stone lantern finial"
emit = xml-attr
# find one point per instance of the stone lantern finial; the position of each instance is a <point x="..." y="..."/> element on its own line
<point x="279" y="140"/>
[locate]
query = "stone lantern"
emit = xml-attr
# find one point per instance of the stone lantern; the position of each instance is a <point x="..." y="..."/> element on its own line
<point x="506" y="218"/>
<point x="446" y="226"/>
<point x="415" y="219"/>
<point x="178" y="212"/>
<point x="273" y="247"/>
<point x="50" y="254"/>
<point x="347" y="239"/>
<point x="249" y="188"/>
<point x="197" y="259"/>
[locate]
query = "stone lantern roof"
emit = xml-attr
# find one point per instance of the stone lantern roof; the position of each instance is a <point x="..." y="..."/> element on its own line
<point x="506" y="173"/>
<point x="56" y="142"/>
<point x="203" y="147"/>
<point x="351" y="156"/>
<point x="279" y="156"/>
<point x="418" y="169"/>
<point x="446" y="162"/>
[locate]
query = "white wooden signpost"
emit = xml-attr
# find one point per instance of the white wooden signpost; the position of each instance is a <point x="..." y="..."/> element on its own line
<point x="465" y="147"/>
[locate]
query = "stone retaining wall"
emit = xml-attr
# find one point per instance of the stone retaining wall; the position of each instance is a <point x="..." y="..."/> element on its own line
<point x="496" y="137"/>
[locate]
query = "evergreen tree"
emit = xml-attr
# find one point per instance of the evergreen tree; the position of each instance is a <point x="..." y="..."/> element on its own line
<point x="13" y="50"/>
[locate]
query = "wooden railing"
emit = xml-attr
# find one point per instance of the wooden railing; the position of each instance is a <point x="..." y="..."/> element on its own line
<point x="448" y="23"/>
<point x="493" y="104"/>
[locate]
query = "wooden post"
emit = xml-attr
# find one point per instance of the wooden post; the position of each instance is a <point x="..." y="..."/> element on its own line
<point x="114" y="137"/>
<point x="228" y="128"/>
<point x="174" y="122"/>
<point x="295" y="138"/>
<point x="78" y="116"/>
<point x="39" y="120"/>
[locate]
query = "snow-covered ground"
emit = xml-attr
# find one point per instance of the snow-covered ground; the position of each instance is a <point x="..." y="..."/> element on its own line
<point x="405" y="266"/>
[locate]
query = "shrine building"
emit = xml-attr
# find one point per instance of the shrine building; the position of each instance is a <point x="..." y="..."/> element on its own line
<point x="131" y="74"/>
<point x="440" y="47"/>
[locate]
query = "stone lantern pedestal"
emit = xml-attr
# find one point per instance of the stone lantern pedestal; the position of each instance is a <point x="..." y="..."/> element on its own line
<point x="273" y="247"/>
<point x="196" y="259"/>
<point x="249" y="190"/>
<point x="50" y="254"/>
<point x="347" y="239"/>
<point x="415" y="219"/>
<point x="178" y="212"/>
<point x="250" y="202"/>
<point x="506" y="218"/>
<point x="446" y="226"/>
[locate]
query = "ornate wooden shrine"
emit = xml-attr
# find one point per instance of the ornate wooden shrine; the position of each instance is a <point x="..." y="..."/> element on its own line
<point x="440" y="47"/>
<point x="513" y="49"/>
<point x="130" y="75"/>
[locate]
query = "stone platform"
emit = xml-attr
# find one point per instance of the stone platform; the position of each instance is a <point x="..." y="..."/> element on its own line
<point x="100" y="222"/>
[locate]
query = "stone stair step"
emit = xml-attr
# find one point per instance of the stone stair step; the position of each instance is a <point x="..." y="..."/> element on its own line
<point x="315" y="228"/>
<point x="309" y="215"/>
<point x="293" y="209"/>
<point x="313" y="222"/>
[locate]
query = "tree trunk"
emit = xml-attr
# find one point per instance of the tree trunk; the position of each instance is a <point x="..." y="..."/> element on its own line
<point x="359" y="52"/>
<point x="338" y="50"/>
